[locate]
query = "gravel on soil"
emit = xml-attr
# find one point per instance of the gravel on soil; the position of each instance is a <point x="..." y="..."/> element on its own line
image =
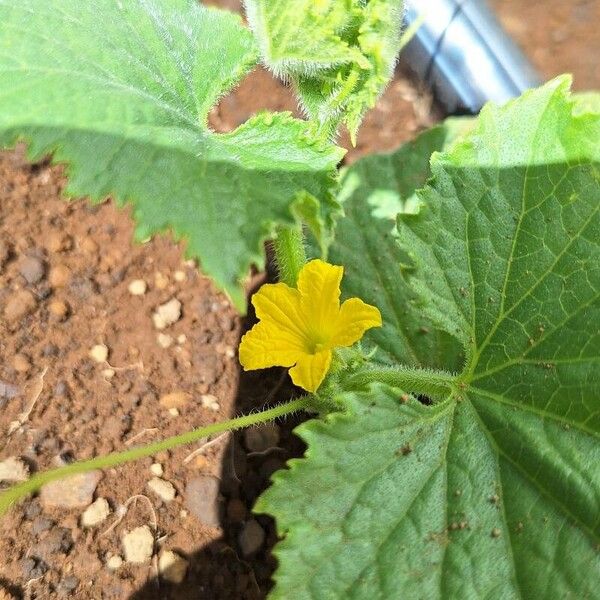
<point x="71" y="280"/>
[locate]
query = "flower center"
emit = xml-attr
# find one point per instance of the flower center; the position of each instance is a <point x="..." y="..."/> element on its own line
<point x="317" y="343"/>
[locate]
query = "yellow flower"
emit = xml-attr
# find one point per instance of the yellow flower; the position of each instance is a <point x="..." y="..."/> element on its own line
<point x="299" y="327"/>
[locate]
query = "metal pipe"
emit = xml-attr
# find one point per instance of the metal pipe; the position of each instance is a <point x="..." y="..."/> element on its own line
<point x="464" y="55"/>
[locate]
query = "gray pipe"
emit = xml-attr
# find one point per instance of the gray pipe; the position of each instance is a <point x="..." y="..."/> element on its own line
<point x="462" y="53"/>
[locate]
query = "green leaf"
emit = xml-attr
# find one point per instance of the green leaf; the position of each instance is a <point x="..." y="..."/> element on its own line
<point x="121" y="92"/>
<point x="339" y="54"/>
<point x="373" y="191"/>
<point x="494" y="490"/>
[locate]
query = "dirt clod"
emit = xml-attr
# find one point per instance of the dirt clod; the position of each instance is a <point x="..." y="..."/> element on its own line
<point x="59" y="241"/>
<point x="95" y="513"/>
<point x="99" y="353"/>
<point x="138" y="545"/>
<point x="172" y="567"/>
<point x="58" y="541"/>
<point x="164" y="341"/>
<point x="59" y="276"/>
<point x="176" y="399"/>
<point x="13" y="469"/>
<point x="32" y="269"/>
<point x="59" y="309"/>
<point x="32" y="568"/>
<point x="19" y="305"/>
<point x="114" y="562"/>
<point x="75" y="491"/>
<point x="165" y="490"/>
<point x="167" y="314"/>
<point x="21" y="363"/>
<point x="251" y="538"/>
<point x="137" y="287"/>
<point x="156" y="469"/>
<point x="203" y="500"/>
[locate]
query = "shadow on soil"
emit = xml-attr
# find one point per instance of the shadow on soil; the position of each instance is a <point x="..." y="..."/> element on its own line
<point x="221" y="571"/>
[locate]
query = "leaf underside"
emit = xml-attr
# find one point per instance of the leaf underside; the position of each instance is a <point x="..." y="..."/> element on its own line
<point x="121" y="91"/>
<point x="495" y="491"/>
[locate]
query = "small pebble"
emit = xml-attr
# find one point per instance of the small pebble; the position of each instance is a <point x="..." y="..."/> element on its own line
<point x="76" y="491"/>
<point x="13" y="469"/>
<point x="174" y="412"/>
<point x="172" y="567"/>
<point x="95" y="513"/>
<point x="32" y="568"/>
<point x="138" y="545"/>
<point x="156" y="469"/>
<point x="164" y="340"/>
<point x="59" y="242"/>
<point x="137" y="287"/>
<point x="32" y="269"/>
<point x="160" y="281"/>
<point x="179" y="276"/>
<point x="21" y="363"/>
<point x="58" y="309"/>
<point x="59" y="276"/>
<point x="41" y="524"/>
<point x="210" y="401"/>
<point x="496" y="533"/>
<point x="203" y="499"/>
<point x="165" y="490"/>
<point x="19" y="305"/>
<point x="167" y="314"/>
<point x="259" y="439"/>
<point x="176" y="399"/>
<point x="182" y="339"/>
<point x="68" y="585"/>
<point x="251" y="538"/>
<point x="114" y="562"/>
<point x="108" y="373"/>
<point x="89" y="246"/>
<point x="99" y="353"/>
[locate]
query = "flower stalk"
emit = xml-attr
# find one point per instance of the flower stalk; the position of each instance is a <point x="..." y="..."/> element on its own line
<point x="15" y="493"/>
<point x="438" y="385"/>
<point x="290" y="254"/>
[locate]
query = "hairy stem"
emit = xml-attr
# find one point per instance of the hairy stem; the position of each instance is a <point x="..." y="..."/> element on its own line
<point x="289" y="253"/>
<point x="16" y="492"/>
<point x="435" y="384"/>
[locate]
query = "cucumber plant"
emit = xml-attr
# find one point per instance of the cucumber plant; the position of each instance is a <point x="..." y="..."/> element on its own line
<point x="456" y="449"/>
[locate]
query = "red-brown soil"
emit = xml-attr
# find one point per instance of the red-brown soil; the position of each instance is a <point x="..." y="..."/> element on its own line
<point x="86" y="408"/>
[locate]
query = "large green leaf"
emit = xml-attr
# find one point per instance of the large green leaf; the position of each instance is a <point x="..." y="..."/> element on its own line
<point x="340" y="54"/>
<point x="121" y="92"/>
<point x="494" y="490"/>
<point x="373" y="192"/>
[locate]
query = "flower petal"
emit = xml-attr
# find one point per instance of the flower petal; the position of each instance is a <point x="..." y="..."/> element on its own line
<point x="319" y="286"/>
<point x="279" y="304"/>
<point x="268" y="345"/>
<point x="310" y="370"/>
<point x="354" y="319"/>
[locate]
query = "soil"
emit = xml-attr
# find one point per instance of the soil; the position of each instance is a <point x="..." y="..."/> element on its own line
<point x="65" y="275"/>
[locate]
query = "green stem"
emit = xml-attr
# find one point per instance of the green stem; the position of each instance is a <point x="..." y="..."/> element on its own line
<point x="435" y="384"/>
<point x="290" y="254"/>
<point x="33" y="484"/>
